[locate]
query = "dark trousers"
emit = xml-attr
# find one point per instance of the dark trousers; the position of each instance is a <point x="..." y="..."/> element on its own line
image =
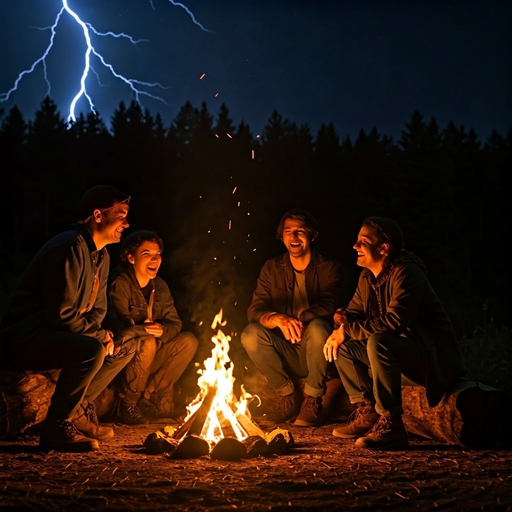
<point x="374" y="369"/>
<point x="85" y="371"/>
<point x="276" y="357"/>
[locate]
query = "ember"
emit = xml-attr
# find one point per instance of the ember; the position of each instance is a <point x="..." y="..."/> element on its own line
<point x="217" y="422"/>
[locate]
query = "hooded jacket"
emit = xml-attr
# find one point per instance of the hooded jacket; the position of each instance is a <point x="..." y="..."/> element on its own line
<point x="128" y="309"/>
<point x="402" y="301"/>
<point x="56" y="289"/>
<point x="274" y="289"/>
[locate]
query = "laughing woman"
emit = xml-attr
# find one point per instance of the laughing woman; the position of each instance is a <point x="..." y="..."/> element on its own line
<point x="140" y="306"/>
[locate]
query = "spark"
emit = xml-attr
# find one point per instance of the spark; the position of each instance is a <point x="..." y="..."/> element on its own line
<point x="137" y="86"/>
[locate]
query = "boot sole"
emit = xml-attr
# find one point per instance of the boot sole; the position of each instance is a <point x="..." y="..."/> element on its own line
<point x="303" y="423"/>
<point x="347" y="436"/>
<point x="399" y="445"/>
<point x="70" y="447"/>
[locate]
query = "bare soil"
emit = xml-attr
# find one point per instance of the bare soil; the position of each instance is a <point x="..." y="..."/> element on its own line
<point x="319" y="472"/>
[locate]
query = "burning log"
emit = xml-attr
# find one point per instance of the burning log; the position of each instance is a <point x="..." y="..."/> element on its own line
<point x="229" y="448"/>
<point x="255" y="445"/>
<point x="194" y="424"/>
<point x="191" y="447"/>
<point x="251" y="428"/>
<point x="160" y="442"/>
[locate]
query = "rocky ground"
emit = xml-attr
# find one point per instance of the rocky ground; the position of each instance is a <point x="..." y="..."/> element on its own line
<point x="319" y="472"/>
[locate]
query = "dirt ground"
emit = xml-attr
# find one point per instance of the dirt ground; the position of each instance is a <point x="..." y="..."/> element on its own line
<point x="319" y="472"/>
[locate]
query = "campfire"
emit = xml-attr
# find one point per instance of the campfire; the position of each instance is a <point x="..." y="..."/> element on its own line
<point x="217" y="422"/>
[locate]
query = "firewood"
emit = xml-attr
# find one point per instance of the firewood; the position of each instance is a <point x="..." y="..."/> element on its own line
<point x="158" y="442"/>
<point x="255" y="445"/>
<point x="229" y="448"/>
<point x="279" y="441"/>
<point x="249" y="426"/>
<point x="194" y="424"/>
<point x="191" y="447"/>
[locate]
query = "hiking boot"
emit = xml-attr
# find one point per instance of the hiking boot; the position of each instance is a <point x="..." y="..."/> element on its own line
<point x="150" y="410"/>
<point x="87" y="423"/>
<point x="387" y="434"/>
<point x="286" y="409"/>
<point x="63" y="436"/>
<point x="311" y="412"/>
<point x="129" y="413"/>
<point x="359" y="422"/>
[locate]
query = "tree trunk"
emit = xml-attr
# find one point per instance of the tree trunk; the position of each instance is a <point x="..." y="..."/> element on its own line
<point x="470" y="414"/>
<point x="24" y="400"/>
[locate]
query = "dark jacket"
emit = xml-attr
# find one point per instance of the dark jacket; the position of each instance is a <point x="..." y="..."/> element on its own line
<point x="401" y="301"/>
<point x="128" y="308"/>
<point x="274" y="289"/>
<point x="56" y="287"/>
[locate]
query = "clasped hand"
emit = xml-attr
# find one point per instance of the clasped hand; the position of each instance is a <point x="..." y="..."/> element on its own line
<point x="290" y="327"/>
<point x="154" y="328"/>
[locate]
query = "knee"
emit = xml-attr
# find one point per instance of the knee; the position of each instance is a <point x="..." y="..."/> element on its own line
<point x="251" y="336"/>
<point x="317" y="332"/>
<point x="145" y="349"/>
<point x="93" y="352"/>
<point x="377" y="344"/>
<point x="189" y="342"/>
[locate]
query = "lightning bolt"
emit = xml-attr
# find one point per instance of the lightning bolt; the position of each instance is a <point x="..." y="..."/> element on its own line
<point x="136" y="86"/>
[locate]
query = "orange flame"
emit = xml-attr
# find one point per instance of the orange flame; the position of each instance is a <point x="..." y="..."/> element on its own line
<point x="225" y="411"/>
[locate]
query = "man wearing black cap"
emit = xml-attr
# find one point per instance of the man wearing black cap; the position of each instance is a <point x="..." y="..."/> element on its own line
<point x="54" y="321"/>
<point x="394" y="330"/>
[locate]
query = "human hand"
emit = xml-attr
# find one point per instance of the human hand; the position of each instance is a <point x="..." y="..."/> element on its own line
<point x="108" y="343"/>
<point x="332" y="344"/>
<point x="154" y="328"/>
<point x="339" y="317"/>
<point x="290" y="327"/>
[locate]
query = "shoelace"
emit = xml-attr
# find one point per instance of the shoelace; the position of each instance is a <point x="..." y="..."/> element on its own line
<point x="311" y="404"/>
<point x="359" y="412"/>
<point x="69" y="429"/>
<point x="90" y="414"/>
<point x="383" y="426"/>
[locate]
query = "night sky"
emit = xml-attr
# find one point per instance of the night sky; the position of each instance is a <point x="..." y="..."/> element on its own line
<point x="357" y="64"/>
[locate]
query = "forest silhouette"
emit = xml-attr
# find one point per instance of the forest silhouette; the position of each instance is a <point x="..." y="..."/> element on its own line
<point x="215" y="193"/>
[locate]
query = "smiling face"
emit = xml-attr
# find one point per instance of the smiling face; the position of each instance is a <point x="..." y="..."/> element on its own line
<point x="370" y="252"/>
<point x="107" y="226"/>
<point x="297" y="240"/>
<point x="146" y="261"/>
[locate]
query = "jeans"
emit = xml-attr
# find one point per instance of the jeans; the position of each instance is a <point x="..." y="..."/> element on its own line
<point x="277" y="358"/>
<point x="373" y="370"/>
<point x="85" y="370"/>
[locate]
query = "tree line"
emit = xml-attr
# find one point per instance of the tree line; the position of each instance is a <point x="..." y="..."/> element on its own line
<point x="215" y="192"/>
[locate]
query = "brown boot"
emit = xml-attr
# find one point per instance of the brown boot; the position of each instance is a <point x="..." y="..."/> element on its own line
<point x="311" y="412"/>
<point x="87" y="423"/>
<point x="286" y="408"/>
<point x="63" y="436"/>
<point x="387" y="434"/>
<point x="129" y="413"/>
<point x="359" y="422"/>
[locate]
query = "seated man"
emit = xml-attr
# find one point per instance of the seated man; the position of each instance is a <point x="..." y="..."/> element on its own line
<point x="55" y="321"/>
<point x="140" y="307"/>
<point x="291" y="318"/>
<point x="393" y="329"/>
